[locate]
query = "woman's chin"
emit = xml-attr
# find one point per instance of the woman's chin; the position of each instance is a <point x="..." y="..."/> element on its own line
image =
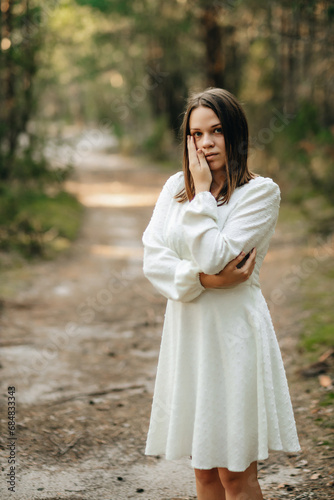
<point x="215" y="166"/>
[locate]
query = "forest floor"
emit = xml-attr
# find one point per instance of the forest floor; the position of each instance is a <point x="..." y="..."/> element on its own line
<point x="80" y="338"/>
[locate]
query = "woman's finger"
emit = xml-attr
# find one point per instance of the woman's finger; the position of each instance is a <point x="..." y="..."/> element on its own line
<point x="250" y="264"/>
<point x="199" y="168"/>
<point x="253" y="254"/>
<point x="202" y="160"/>
<point x="193" y="159"/>
<point x="238" y="259"/>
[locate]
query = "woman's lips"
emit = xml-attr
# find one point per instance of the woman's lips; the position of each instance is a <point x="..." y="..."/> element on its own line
<point x="211" y="156"/>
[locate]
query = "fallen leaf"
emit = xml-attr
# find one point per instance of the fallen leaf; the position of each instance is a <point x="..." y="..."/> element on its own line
<point x="326" y="355"/>
<point x="325" y="380"/>
<point x="316" y="475"/>
<point x="308" y="146"/>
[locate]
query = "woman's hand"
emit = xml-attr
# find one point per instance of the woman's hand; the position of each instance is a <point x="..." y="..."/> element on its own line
<point x="198" y="167"/>
<point x="231" y="275"/>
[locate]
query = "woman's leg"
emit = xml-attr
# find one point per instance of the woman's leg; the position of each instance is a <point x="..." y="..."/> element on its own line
<point x="208" y="485"/>
<point x="241" y="485"/>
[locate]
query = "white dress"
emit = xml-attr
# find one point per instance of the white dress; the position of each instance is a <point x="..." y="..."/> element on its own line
<point x="221" y="393"/>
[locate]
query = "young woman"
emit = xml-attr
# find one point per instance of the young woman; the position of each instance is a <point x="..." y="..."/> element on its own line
<point x="221" y="394"/>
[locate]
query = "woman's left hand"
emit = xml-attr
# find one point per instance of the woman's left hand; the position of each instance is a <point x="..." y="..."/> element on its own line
<point x="231" y="275"/>
<point x="198" y="167"/>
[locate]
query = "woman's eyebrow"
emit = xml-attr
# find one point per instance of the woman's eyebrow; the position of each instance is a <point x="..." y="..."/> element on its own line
<point x="212" y="126"/>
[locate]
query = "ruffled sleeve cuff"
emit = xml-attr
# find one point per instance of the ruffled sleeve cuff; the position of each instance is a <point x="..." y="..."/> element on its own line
<point x="204" y="203"/>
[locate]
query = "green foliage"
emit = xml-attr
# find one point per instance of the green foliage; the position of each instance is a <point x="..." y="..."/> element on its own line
<point x="322" y="335"/>
<point x="304" y="124"/>
<point x="330" y="12"/>
<point x="124" y="7"/>
<point x="27" y="170"/>
<point x="37" y="224"/>
<point x="132" y="64"/>
<point x="317" y="292"/>
<point x="126" y="60"/>
<point x="21" y="24"/>
<point x="305" y="152"/>
<point x="159" y="143"/>
<point x="327" y="399"/>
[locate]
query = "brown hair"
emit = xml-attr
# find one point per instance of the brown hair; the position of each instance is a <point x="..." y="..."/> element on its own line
<point x="235" y="130"/>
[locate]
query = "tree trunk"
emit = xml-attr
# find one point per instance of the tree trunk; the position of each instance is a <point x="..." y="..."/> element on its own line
<point x="292" y="35"/>
<point x="276" y="84"/>
<point x="169" y="90"/>
<point x="328" y="74"/>
<point x="214" y="63"/>
<point x="11" y="136"/>
<point x="29" y="69"/>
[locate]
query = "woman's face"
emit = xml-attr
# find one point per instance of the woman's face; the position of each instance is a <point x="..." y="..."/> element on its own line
<point x="207" y="131"/>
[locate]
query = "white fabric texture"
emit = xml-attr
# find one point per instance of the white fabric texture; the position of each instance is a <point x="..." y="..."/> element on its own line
<point x="221" y="392"/>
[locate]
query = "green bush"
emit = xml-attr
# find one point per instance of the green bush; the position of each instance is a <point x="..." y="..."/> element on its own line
<point x="37" y="224"/>
<point x="317" y="293"/>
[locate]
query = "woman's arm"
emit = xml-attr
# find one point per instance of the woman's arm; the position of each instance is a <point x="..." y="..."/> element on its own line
<point x="231" y="275"/>
<point x="173" y="277"/>
<point x="180" y="279"/>
<point x="253" y="218"/>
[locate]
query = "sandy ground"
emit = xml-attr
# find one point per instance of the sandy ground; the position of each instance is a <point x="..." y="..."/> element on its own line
<point x="80" y="338"/>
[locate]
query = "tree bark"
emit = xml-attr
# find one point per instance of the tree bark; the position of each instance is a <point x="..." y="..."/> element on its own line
<point x="212" y="38"/>
<point x="10" y="138"/>
<point x="29" y="68"/>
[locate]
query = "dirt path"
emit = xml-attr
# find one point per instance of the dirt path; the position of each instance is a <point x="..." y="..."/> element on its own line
<point x="80" y="340"/>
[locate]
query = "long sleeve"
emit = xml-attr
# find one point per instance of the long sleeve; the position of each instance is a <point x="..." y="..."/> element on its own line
<point x="254" y="215"/>
<point x="175" y="278"/>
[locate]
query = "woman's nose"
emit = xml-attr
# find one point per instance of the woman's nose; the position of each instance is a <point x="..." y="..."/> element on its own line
<point x="207" y="141"/>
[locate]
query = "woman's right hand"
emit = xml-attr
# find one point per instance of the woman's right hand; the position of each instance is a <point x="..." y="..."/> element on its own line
<point x="198" y="166"/>
<point x="231" y="275"/>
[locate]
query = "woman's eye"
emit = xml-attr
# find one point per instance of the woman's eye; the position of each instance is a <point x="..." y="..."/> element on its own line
<point x="219" y="130"/>
<point x="196" y="134"/>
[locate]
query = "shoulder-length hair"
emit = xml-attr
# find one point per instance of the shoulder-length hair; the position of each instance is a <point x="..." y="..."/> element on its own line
<point x="235" y="129"/>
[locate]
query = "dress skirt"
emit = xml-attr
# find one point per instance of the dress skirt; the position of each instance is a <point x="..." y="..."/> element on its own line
<point x="232" y="404"/>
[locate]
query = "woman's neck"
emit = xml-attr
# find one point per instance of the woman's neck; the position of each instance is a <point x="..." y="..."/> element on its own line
<point x="218" y="181"/>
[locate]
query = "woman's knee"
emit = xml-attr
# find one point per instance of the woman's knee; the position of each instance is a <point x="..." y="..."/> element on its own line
<point x="233" y="482"/>
<point x="206" y="476"/>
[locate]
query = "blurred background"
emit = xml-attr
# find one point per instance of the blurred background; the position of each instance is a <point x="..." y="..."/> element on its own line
<point x="112" y="76"/>
<point x="80" y="76"/>
<point x="124" y="69"/>
<point x="91" y="100"/>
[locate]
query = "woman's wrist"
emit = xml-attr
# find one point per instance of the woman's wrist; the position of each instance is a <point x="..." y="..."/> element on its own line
<point x="211" y="280"/>
<point x="202" y="188"/>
